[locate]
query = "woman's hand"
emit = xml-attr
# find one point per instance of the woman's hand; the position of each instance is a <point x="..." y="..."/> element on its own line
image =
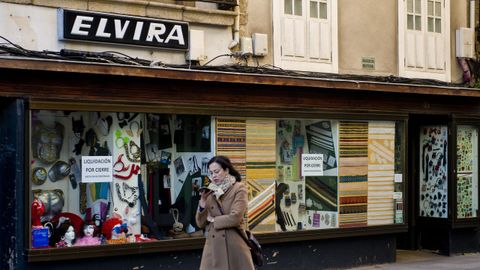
<point x="204" y="193"/>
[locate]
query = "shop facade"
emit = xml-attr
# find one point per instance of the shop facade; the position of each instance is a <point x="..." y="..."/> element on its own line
<point x="340" y="171"/>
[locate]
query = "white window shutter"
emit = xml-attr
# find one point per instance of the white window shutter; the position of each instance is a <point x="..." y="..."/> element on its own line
<point x="440" y="50"/>
<point x="299" y="38"/>
<point x="325" y="41"/>
<point x="419" y="50"/>
<point x="431" y="52"/>
<point x="314" y="39"/>
<point x="288" y="42"/>
<point x="435" y="53"/>
<point x="410" y="50"/>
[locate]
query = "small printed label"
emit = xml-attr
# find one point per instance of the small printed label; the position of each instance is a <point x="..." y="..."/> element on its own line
<point x="397" y="195"/>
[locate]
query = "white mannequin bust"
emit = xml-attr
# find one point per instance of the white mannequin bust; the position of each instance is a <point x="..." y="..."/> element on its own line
<point x="88" y="230"/>
<point x="69" y="236"/>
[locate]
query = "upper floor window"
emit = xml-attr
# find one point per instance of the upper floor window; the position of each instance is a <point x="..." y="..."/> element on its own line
<point x="424" y="43"/>
<point x="307" y="37"/>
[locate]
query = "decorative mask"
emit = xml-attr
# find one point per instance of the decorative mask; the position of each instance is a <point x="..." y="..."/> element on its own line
<point x="53" y="201"/>
<point x="58" y="171"/>
<point x="47" y="142"/>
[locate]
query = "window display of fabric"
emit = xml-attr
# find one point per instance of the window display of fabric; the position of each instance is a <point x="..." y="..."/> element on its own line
<point x="169" y="161"/>
<point x="381" y="158"/>
<point x="261" y="174"/>
<point x="353" y="171"/>
<point x="231" y="142"/>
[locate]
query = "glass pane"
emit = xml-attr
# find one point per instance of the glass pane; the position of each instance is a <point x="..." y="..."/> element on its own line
<point x="467" y="171"/>
<point x="433" y="172"/>
<point x="298" y="7"/>
<point x="430" y="25"/>
<point x="438" y="25"/>
<point x="438" y="9"/>
<point x="418" y="23"/>
<point x="299" y="179"/>
<point x="430" y="8"/>
<point x="410" y="22"/>
<point x="313" y="9"/>
<point x="418" y="6"/>
<point x="314" y="194"/>
<point x="82" y="162"/>
<point x="288" y="9"/>
<point x="410" y="6"/>
<point x="323" y="11"/>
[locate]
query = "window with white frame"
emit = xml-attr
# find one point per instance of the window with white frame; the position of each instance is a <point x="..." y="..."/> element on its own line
<point x="306" y="38"/>
<point x="424" y="41"/>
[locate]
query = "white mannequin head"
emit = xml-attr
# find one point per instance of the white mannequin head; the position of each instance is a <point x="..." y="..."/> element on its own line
<point x="88" y="230"/>
<point x="69" y="236"/>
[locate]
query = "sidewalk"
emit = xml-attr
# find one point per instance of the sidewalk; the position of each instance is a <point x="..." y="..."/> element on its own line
<point x="426" y="259"/>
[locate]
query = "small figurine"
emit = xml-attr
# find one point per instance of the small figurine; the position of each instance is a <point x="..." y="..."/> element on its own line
<point x="115" y="231"/>
<point x="90" y="235"/>
<point x="63" y="233"/>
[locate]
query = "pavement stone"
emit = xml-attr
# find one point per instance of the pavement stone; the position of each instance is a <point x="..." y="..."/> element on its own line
<point x="428" y="260"/>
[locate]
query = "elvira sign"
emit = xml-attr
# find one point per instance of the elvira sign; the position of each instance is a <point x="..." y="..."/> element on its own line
<point x="99" y="27"/>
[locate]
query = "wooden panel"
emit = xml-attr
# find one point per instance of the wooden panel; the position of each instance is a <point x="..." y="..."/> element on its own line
<point x="158" y="94"/>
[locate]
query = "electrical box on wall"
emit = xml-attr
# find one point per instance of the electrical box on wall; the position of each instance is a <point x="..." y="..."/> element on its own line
<point x="196" y="51"/>
<point x="246" y="46"/>
<point x="464" y="42"/>
<point x="260" y="44"/>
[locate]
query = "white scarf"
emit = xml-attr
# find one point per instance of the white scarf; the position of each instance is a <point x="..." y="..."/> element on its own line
<point x="221" y="188"/>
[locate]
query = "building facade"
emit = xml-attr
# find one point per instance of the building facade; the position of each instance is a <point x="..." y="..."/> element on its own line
<point x="350" y="123"/>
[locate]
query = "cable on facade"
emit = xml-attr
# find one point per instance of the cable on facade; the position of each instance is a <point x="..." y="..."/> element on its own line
<point x="113" y="57"/>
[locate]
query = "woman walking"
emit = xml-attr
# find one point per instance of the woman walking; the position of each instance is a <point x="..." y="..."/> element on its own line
<point x="221" y="209"/>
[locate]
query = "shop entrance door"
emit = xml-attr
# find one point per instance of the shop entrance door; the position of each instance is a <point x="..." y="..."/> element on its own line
<point x="428" y="182"/>
<point x="12" y="196"/>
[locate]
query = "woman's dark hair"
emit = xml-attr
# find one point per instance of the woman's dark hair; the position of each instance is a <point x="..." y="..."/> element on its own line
<point x="225" y="163"/>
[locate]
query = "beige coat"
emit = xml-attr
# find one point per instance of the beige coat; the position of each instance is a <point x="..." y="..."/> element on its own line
<point x="224" y="248"/>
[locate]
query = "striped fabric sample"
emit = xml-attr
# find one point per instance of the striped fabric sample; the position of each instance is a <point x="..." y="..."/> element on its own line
<point x="353" y="170"/>
<point x="321" y="193"/>
<point x="261" y="174"/>
<point x="261" y="152"/>
<point x="231" y="142"/>
<point x="381" y="158"/>
<point x="261" y="209"/>
<point x="320" y="141"/>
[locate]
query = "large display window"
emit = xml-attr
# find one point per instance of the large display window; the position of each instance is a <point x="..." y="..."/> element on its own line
<point x="103" y="178"/>
<point x="467" y="172"/>
<point x="434" y="171"/>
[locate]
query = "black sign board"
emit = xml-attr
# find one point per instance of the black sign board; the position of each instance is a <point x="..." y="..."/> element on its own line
<point x="100" y="27"/>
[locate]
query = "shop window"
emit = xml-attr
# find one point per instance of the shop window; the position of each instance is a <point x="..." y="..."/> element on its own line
<point x="467" y="172"/>
<point x="433" y="171"/>
<point x="423" y="39"/>
<point x="101" y="178"/>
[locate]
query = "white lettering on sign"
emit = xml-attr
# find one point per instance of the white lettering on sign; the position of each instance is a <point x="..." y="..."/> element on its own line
<point x="312" y="164"/>
<point x="101" y="29"/>
<point x="79" y="24"/>
<point x="176" y="34"/>
<point x="119" y="30"/>
<point x="138" y="31"/>
<point x="97" y="169"/>
<point x="156" y="30"/>
<point x="112" y="28"/>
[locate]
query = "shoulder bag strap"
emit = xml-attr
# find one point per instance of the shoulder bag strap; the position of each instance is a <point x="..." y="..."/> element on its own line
<point x="236" y="228"/>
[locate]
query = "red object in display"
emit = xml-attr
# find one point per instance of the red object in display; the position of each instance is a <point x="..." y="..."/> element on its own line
<point x="38" y="208"/>
<point x="75" y="220"/>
